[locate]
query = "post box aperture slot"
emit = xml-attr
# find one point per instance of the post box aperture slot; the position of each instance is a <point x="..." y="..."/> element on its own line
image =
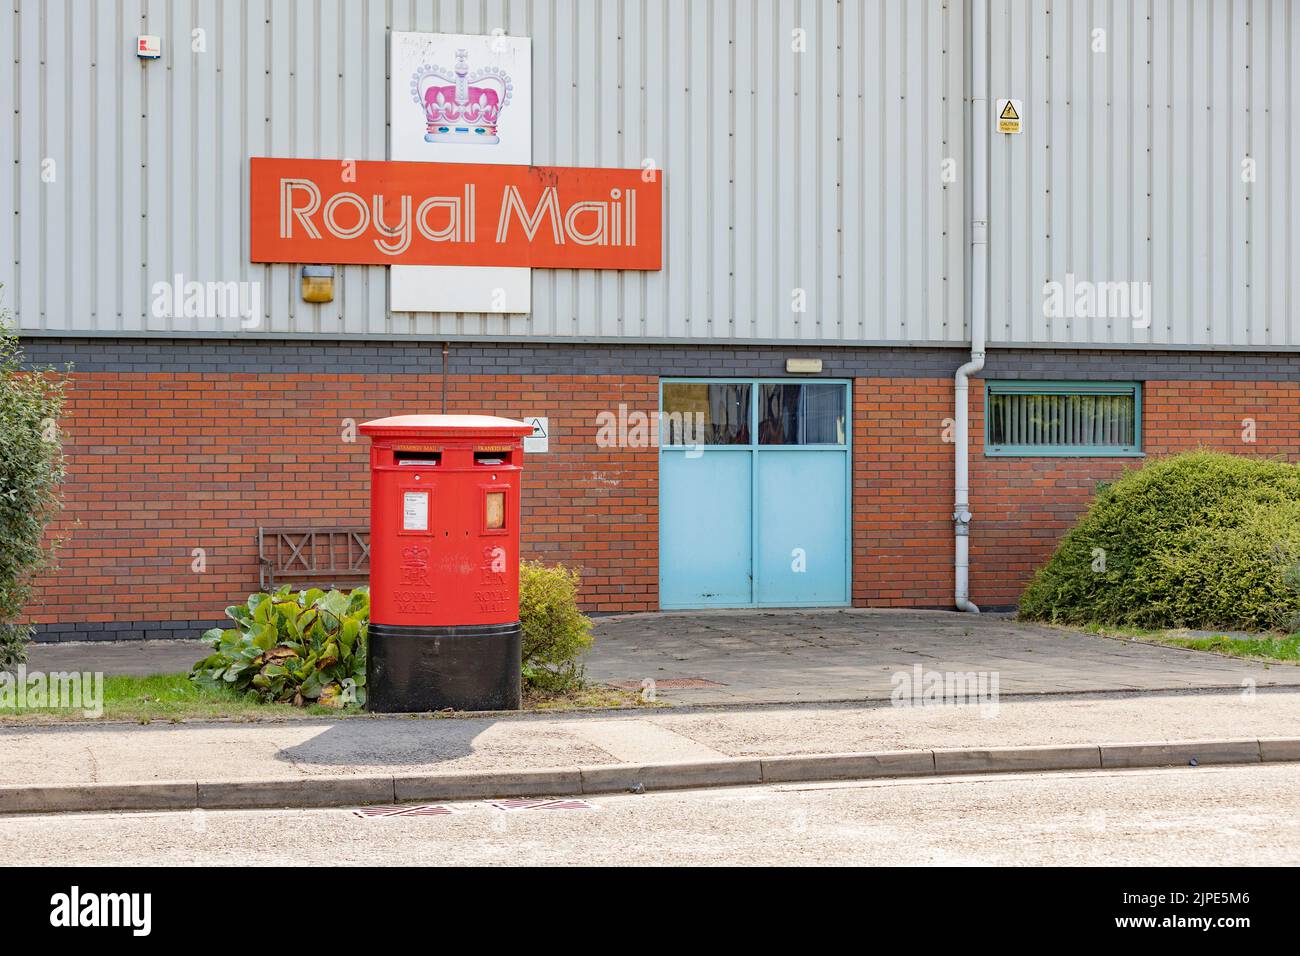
<point x="492" y="458"/>
<point x="423" y="459"/>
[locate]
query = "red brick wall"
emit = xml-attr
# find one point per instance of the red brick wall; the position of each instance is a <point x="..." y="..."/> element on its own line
<point x="1023" y="505"/>
<point x="903" y="481"/>
<point x="1179" y="416"/>
<point x="161" y="464"/>
<point x="902" y="492"/>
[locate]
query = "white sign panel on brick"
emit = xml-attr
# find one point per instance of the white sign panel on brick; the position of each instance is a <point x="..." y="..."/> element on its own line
<point x="540" y="439"/>
<point x="458" y="98"/>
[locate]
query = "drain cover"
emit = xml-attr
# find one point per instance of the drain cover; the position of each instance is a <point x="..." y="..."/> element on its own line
<point x="521" y="803"/>
<point x="427" y="810"/>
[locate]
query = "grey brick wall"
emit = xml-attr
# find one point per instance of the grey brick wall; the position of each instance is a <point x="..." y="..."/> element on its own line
<point x="123" y="630"/>
<point x="349" y="358"/>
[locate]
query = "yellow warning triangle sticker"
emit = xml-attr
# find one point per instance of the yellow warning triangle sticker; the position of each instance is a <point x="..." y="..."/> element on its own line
<point x="1009" y="112"/>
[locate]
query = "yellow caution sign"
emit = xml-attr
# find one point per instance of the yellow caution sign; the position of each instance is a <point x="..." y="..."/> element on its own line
<point x="1009" y="113"/>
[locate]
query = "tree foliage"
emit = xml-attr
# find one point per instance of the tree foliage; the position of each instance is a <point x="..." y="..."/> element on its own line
<point x="31" y="471"/>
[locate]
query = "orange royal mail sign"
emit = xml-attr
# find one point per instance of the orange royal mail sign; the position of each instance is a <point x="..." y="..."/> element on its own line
<point x="455" y="214"/>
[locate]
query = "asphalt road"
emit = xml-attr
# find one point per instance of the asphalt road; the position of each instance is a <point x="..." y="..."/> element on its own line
<point x="1184" y="816"/>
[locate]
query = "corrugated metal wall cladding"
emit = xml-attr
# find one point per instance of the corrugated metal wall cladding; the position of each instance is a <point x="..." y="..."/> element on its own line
<point x="819" y="171"/>
<point x="785" y="170"/>
<point x="1130" y="168"/>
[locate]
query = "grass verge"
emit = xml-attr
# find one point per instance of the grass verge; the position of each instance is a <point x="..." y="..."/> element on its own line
<point x="1260" y="647"/>
<point x="174" y="697"/>
<point x="165" y="697"/>
<point x="596" y="696"/>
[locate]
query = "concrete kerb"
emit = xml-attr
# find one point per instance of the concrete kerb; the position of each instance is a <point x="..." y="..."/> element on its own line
<point x="558" y="782"/>
<point x="70" y="798"/>
<point x="727" y="772"/>
<point x="848" y="766"/>
<point x="1026" y="759"/>
<point x="359" y="790"/>
<point x="295" y="792"/>
<point x="1180" y="753"/>
<point x="1279" y="749"/>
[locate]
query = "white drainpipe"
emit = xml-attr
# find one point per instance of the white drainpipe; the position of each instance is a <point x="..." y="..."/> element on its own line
<point x="979" y="120"/>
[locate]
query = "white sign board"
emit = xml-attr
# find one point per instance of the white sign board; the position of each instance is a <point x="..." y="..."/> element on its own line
<point x="415" y="511"/>
<point x="540" y="439"/>
<point x="1010" y="116"/>
<point x="458" y="98"/>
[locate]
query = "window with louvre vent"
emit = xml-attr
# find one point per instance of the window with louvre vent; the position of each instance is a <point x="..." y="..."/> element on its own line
<point x="1063" y="418"/>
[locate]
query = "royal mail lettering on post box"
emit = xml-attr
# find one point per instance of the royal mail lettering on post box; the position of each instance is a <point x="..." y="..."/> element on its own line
<point x="444" y="562"/>
<point x="455" y="214"/>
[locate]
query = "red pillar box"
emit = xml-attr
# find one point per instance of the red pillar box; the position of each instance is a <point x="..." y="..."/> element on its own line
<point x="444" y="562"/>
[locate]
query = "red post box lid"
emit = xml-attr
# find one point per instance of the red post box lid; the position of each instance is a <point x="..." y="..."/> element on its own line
<point x="445" y="426"/>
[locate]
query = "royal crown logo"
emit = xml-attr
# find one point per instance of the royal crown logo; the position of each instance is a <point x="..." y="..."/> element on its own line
<point x="460" y="106"/>
<point x="415" y="566"/>
<point x="415" y="557"/>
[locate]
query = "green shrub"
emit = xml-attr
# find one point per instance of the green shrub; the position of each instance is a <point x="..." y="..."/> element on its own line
<point x="13" y="645"/>
<point x="31" y="468"/>
<point x="1199" y="540"/>
<point x="556" y="634"/>
<point x="292" y="648"/>
<point x="311" y="646"/>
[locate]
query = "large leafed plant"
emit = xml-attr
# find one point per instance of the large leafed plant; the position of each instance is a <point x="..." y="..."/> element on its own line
<point x="308" y="647"/>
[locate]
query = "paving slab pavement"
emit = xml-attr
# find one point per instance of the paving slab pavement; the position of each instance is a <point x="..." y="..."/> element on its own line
<point x="746" y="657"/>
<point x="129" y="658"/>
<point x="854" y="654"/>
<point x="81" y="754"/>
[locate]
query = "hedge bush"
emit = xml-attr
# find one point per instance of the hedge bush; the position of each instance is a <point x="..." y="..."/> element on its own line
<point x="1199" y="540"/>
<point x="31" y="469"/>
<point x="556" y="633"/>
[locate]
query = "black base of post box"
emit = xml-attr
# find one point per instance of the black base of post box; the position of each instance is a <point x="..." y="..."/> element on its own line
<point x="416" y="669"/>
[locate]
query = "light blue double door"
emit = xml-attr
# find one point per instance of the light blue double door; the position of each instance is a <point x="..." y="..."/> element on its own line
<point x="753" y="493"/>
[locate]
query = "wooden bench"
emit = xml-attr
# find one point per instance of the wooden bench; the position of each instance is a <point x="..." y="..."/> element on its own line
<point x="323" y="557"/>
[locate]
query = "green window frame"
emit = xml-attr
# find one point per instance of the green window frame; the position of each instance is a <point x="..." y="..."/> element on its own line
<point x="1063" y="419"/>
